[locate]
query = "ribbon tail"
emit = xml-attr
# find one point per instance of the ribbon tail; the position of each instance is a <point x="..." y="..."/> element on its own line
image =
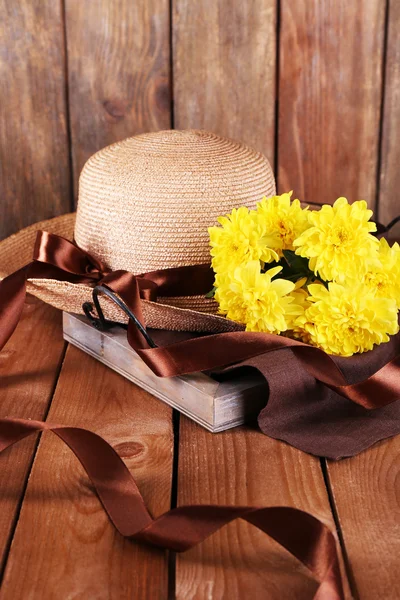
<point x="305" y="536"/>
<point x="127" y="287"/>
<point x="12" y="298"/>
<point x="380" y="389"/>
<point x="309" y="540"/>
<point x="109" y="475"/>
<point x="229" y="349"/>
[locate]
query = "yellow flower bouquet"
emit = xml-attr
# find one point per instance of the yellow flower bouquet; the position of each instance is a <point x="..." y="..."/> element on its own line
<point x="317" y="275"/>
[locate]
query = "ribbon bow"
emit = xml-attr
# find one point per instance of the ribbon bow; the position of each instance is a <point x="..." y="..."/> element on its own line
<point x="54" y="257"/>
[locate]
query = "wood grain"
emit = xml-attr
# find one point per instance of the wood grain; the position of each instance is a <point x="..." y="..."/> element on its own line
<point x="64" y="543"/>
<point x="389" y="204"/>
<point x="224" y="58"/>
<point x="118" y="64"/>
<point x="34" y="164"/>
<point x="29" y="366"/>
<point x="367" y="497"/>
<point x="330" y="98"/>
<point x="244" y="467"/>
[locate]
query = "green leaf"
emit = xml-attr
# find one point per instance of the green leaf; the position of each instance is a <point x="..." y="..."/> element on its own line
<point x="295" y="262"/>
<point x="211" y="293"/>
<point x="294" y="267"/>
<point x="271" y="265"/>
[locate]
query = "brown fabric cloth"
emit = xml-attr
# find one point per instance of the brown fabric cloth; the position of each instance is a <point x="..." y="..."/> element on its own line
<point x="309" y="415"/>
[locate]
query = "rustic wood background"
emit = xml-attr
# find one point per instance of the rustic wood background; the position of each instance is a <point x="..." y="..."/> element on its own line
<point x="314" y="84"/>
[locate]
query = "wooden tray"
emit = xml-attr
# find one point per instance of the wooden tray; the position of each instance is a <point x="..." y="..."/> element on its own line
<point x="214" y="405"/>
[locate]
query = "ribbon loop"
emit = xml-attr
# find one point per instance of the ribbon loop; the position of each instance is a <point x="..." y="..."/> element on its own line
<point x="52" y="249"/>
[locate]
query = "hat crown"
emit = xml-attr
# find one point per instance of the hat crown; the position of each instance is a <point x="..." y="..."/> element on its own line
<point x="145" y="203"/>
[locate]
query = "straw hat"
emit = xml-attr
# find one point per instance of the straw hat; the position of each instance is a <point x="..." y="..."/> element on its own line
<point x="145" y="204"/>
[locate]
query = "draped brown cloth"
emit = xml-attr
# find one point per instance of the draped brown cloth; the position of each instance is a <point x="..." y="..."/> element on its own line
<point x="306" y="413"/>
<point x="327" y="406"/>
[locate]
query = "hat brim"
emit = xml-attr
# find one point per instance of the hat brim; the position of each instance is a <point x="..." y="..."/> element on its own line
<point x="16" y="251"/>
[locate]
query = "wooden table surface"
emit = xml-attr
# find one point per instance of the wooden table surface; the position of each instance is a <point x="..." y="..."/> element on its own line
<point x="56" y="541"/>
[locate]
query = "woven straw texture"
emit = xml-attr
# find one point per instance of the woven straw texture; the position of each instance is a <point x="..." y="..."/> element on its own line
<point x="145" y="204"/>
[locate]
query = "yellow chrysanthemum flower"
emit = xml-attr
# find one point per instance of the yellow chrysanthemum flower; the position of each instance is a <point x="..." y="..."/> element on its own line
<point x="296" y="322"/>
<point x="229" y="302"/>
<point x="344" y="320"/>
<point x="283" y="220"/>
<point x="385" y="276"/>
<point x="339" y="241"/>
<point x="255" y="299"/>
<point x="238" y="241"/>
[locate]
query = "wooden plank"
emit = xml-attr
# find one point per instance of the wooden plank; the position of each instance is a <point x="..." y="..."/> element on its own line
<point x="29" y="366"/>
<point x="367" y="497"/>
<point x="224" y="57"/>
<point x="34" y="165"/>
<point x="118" y="65"/>
<point x="330" y="98"/>
<point x="244" y="467"/>
<point x="64" y="544"/>
<point x="389" y="205"/>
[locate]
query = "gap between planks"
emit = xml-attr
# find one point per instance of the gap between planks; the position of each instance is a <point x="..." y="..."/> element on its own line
<point x="339" y="532"/>
<point x="29" y="367"/>
<point x="367" y="500"/>
<point x="36" y="443"/>
<point x="244" y="467"/>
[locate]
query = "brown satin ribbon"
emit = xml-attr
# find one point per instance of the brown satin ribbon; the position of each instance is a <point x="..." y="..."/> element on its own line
<point x="57" y="258"/>
<point x="305" y="536"/>
<point x="302" y="534"/>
